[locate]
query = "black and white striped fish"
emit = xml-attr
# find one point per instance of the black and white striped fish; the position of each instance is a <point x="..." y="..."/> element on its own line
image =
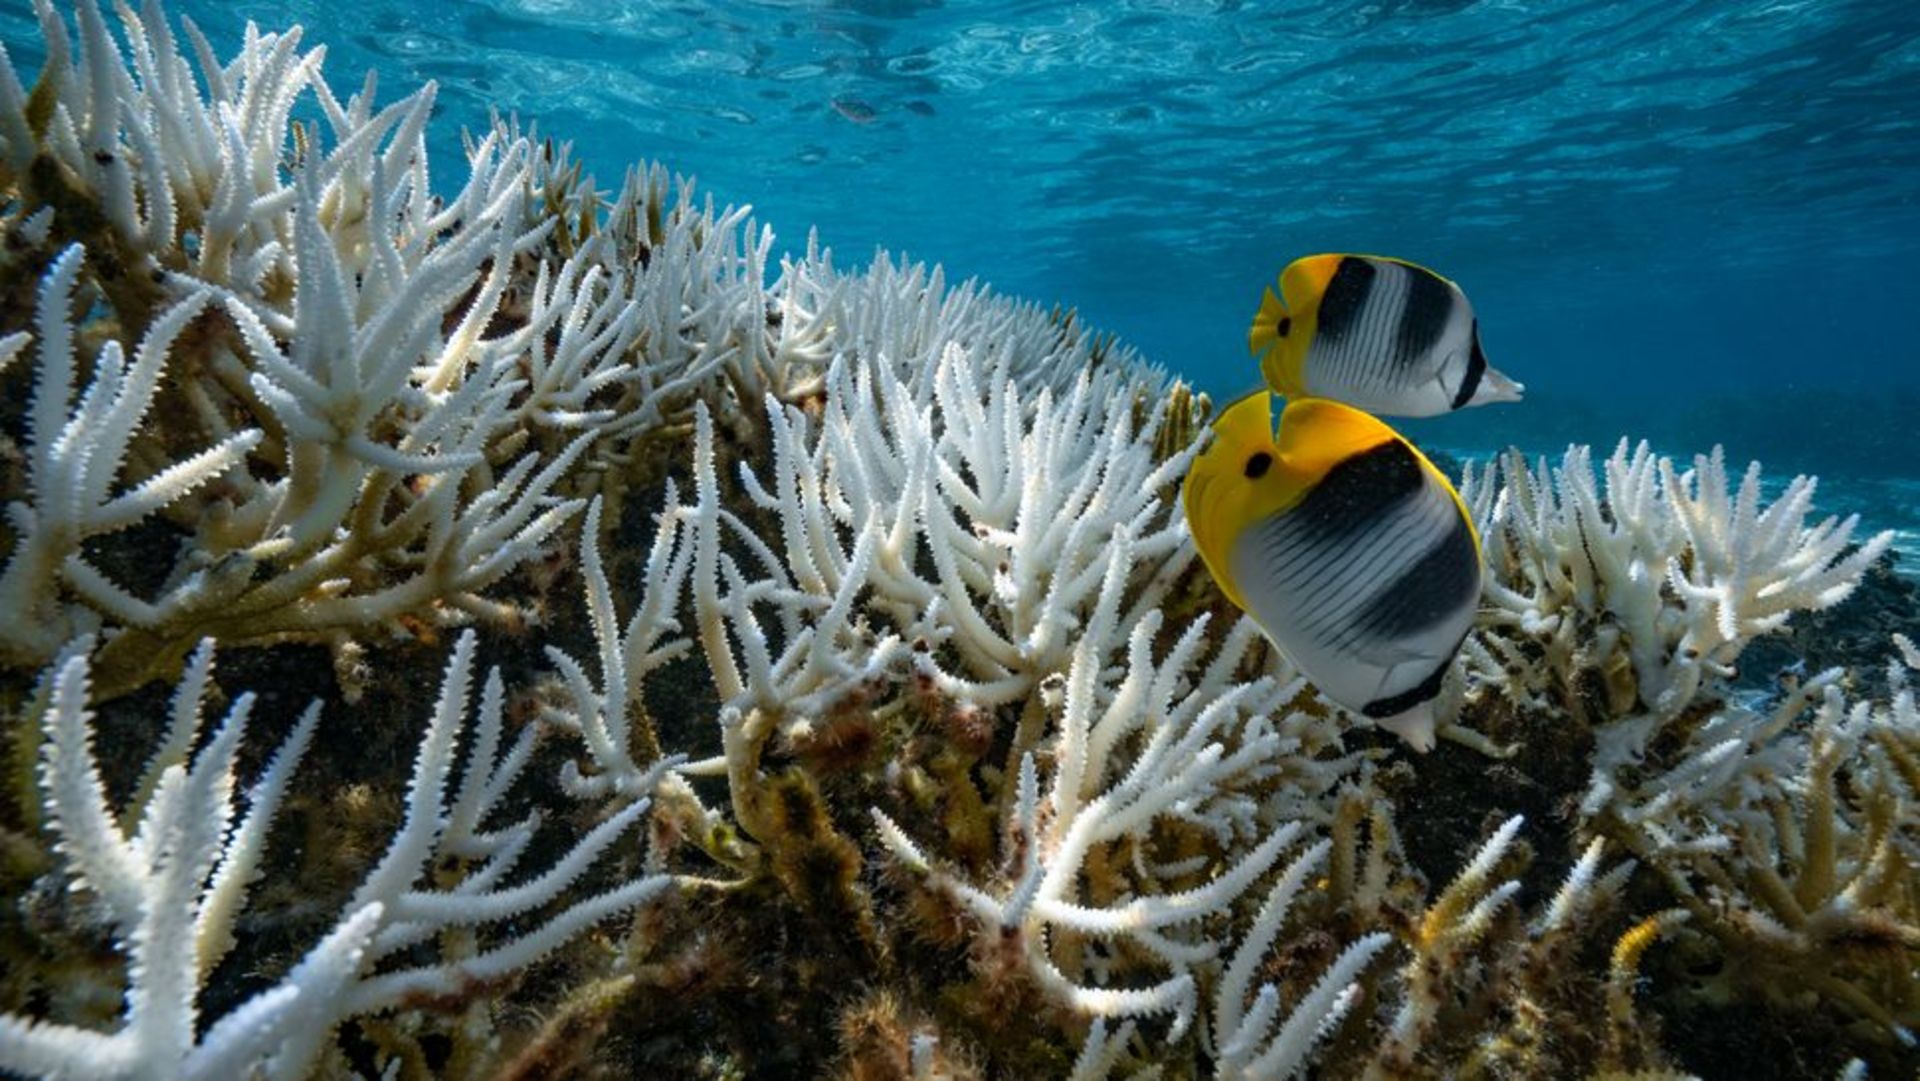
<point x="1350" y="549"/>
<point x="1385" y="335"/>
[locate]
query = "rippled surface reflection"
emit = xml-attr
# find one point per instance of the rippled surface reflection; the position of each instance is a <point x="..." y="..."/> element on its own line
<point x="1641" y="195"/>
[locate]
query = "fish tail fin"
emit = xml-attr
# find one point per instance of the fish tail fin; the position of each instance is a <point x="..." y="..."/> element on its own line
<point x="1245" y="424"/>
<point x="1415" y="725"/>
<point x="1497" y="386"/>
<point x="1266" y="323"/>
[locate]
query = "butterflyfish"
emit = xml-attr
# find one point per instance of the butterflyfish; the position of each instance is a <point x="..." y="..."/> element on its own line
<point x="1385" y="335"/>
<point x="1348" y="547"/>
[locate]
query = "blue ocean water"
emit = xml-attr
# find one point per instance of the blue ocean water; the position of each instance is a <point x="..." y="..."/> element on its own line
<point x="1693" y="221"/>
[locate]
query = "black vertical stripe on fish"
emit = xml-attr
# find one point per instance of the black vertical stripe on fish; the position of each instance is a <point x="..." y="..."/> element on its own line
<point x="1334" y="621"/>
<point x="1375" y="343"/>
<point x="1307" y="568"/>
<point x="1402" y="535"/>
<point x="1402" y="541"/>
<point x="1391" y="300"/>
<point x="1427" y="593"/>
<point x="1331" y="590"/>
<point x="1425" y="691"/>
<point x="1356" y="490"/>
<point x="1322" y="552"/>
<point x="1424" y="316"/>
<point x="1476" y="367"/>
<point x="1345" y="298"/>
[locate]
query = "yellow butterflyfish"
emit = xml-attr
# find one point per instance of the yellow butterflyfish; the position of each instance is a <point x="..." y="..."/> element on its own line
<point x="1347" y="546"/>
<point x="1384" y="335"/>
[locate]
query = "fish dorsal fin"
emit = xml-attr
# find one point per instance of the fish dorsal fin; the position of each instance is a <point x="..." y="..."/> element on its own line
<point x="1315" y="271"/>
<point x="1413" y="266"/>
<point x="1305" y="280"/>
<point x="1317" y="434"/>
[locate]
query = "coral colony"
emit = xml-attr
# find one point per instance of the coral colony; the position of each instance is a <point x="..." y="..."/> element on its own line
<point x="853" y="701"/>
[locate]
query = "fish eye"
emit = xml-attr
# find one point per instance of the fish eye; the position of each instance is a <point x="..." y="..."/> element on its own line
<point x="1258" y="465"/>
<point x="1286" y="324"/>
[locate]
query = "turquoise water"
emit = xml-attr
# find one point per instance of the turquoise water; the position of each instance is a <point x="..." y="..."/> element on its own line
<point x="1697" y="221"/>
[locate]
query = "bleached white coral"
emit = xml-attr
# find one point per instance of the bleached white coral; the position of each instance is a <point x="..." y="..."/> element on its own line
<point x="898" y="315"/>
<point x="77" y="451"/>
<point x="1127" y="757"/>
<point x="1247" y="1044"/>
<point x="405" y="395"/>
<point x="1781" y="826"/>
<point x="603" y="711"/>
<point x="173" y="881"/>
<point x="1654" y="580"/>
<point x="948" y="512"/>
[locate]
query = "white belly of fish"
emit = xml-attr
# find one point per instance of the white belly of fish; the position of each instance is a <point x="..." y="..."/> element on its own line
<point x="1321" y="599"/>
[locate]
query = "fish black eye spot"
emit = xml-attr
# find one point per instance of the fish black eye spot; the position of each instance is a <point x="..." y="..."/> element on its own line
<point x="1258" y="465"/>
<point x="1286" y="324"/>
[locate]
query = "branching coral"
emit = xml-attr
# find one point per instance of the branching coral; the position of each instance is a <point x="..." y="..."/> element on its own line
<point x="173" y="880"/>
<point x="995" y="778"/>
<point x="1645" y="590"/>
<point x="453" y="369"/>
<point x="971" y="521"/>
<point x="1786" y="833"/>
<point x="1098" y="842"/>
<point x="896" y="314"/>
<point x="1777" y="825"/>
<point x="77" y="452"/>
<point x="1247" y="1044"/>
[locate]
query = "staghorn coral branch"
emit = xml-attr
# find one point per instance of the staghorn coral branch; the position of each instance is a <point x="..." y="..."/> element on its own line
<point x="77" y="452"/>
<point x="175" y="877"/>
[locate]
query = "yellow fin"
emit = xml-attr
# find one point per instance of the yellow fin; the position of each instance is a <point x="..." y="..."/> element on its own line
<point x="1315" y="271"/>
<point x="1305" y="280"/>
<point x="1317" y="434"/>
<point x="1266" y="324"/>
<point x="1246" y="424"/>
<point x="1219" y="498"/>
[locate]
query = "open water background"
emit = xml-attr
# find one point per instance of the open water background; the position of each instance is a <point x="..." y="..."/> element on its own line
<point x="1692" y="221"/>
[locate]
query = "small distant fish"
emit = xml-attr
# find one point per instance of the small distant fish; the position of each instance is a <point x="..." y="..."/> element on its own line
<point x="1352" y="552"/>
<point x="854" y="109"/>
<point x="919" y="108"/>
<point x="1382" y="334"/>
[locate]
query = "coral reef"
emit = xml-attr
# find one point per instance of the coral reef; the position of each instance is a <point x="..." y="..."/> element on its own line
<point x="172" y="880"/>
<point x="866" y="602"/>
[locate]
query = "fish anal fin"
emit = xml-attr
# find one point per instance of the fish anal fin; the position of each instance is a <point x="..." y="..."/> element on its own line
<point x="1415" y="726"/>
